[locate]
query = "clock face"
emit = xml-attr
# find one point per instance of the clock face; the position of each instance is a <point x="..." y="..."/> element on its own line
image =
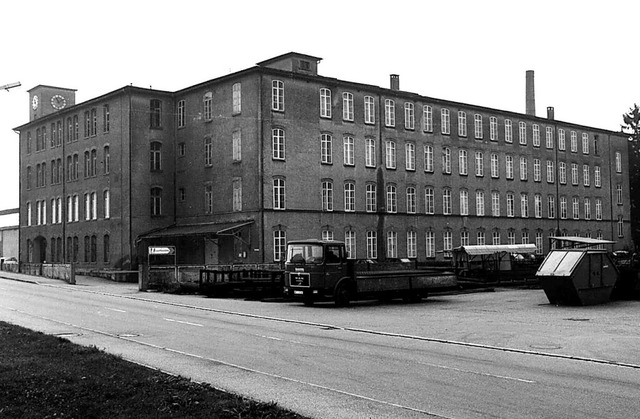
<point x="58" y="102"/>
<point x="34" y="102"/>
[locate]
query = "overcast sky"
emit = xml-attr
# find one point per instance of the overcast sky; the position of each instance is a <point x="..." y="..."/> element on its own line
<point x="586" y="55"/>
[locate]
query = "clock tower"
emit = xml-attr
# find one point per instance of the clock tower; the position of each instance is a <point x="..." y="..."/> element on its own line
<point x="44" y="100"/>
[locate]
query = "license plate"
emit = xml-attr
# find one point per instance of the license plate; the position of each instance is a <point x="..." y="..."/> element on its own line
<point x="298" y="292"/>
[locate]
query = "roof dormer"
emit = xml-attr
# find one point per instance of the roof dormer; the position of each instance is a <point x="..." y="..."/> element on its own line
<point x="294" y="62"/>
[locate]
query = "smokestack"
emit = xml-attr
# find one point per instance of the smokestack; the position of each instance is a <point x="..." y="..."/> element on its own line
<point x="530" y="95"/>
<point x="550" y="113"/>
<point x="395" y="82"/>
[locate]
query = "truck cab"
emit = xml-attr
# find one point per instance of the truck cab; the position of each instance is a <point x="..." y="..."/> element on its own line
<point x="314" y="269"/>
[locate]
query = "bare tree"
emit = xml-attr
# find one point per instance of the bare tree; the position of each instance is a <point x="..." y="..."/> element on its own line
<point x="632" y="127"/>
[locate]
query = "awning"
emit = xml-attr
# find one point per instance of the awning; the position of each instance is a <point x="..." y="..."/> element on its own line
<point x="496" y="248"/>
<point x="209" y="229"/>
<point x="581" y="240"/>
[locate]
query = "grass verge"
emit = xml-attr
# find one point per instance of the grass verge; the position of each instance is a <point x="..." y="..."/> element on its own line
<point x="44" y="376"/>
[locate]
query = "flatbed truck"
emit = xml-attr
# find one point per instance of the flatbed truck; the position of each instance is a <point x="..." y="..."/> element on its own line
<point x="319" y="270"/>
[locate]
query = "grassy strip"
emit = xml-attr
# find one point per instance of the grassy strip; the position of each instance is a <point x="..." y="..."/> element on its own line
<point x="45" y="376"/>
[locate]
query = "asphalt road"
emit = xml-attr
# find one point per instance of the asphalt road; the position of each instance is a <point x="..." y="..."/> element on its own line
<point x="505" y="354"/>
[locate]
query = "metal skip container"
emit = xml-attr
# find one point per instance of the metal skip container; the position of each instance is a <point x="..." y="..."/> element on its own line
<point x="577" y="276"/>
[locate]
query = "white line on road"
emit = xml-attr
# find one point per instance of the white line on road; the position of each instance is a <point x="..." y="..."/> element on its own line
<point x="183" y="322"/>
<point x="503" y="377"/>
<point x="116" y="309"/>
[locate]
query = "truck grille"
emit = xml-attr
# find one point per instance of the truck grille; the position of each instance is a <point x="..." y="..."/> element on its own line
<point x="297" y="279"/>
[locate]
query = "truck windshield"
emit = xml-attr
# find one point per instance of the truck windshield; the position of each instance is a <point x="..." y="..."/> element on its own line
<point x="304" y="253"/>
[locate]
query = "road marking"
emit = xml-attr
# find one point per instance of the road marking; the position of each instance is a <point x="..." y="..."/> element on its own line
<point x="269" y="337"/>
<point x="116" y="309"/>
<point x="183" y="322"/>
<point x="486" y="374"/>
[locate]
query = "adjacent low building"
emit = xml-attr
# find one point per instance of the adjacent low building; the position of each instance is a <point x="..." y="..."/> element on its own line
<point x="230" y="169"/>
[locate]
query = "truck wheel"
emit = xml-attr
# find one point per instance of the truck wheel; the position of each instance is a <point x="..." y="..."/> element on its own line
<point x="412" y="297"/>
<point x="343" y="295"/>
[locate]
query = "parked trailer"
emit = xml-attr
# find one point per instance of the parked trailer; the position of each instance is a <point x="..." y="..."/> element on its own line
<point x="318" y="270"/>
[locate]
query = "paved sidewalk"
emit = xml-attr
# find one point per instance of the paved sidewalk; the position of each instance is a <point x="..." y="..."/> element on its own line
<point x="94" y="283"/>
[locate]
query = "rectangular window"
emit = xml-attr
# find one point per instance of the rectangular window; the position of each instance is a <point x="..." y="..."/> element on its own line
<point x="326" y="149"/>
<point x="537" y="172"/>
<point x="446" y="201"/>
<point x="462" y="162"/>
<point x="409" y="116"/>
<point x="464" y="202"/>
<point x="562" y="173"/>
<point x="349" y="146"/>
<point x="480" y="238"/>
<point x="493" y="128"/>
<point x="598" y="209"/>
<point x="279" y="197"/>
<point x="427" y="118"/>
<point x="549" y="138"/>
<point x="495" y="204"/>
<point x="412" y="252"/>
<point x="585" y="175"/>
<point x="389" y="113"/>
<point x="587" y="209"/>
<point x="510" y="205"/>
<point x="574" y="142"/>
<point x="480" y="203"/>
<point x="278" y="143"/>
<point x="495" y="167"/>
<point x="347" y="107"/>
<point x="327" y="195"/>
<point x="369" y="110"/>
<point x="277" y="95"/>
<point x="495" y="238"/>
<point x="207" y="106"/>
<point x="237" y="98"/>
<point x="429" y="201"/>
<point x="562" y="145"/>
<point x="370" y="153"/>
<point x="390" y="155"/>
<point x="428" y="158"/>
<point x="585" y="143"/>
<point x="597" y="181"/>
<point x="620" y="226"/>
<point x="392" y="244"/>
<point x="350" y="244"/>
<point x="479" y="164"/>
<point x="536" y="135"/>
<point x="618" y="162"/>
<point x="430" y="250"/>
<point x="446" y="160"/>
<point x="372" y="245"/>
<point x="523" y="168"/>
<point x="576" y="208"/>
<point x="208" y="199"/>
<point x="477" y="125"/>
<point x="551" y="201"/>
<point x="106" y="120"/>
<point x="411" y="200"/>
<point x="371" y="198"/>
<point x="524" y="205"/>
<point x="236" y="138"/>
<point x="392" y="201"/>
<point x="537" y="206"/>
<point x="208" y="151"/>
<point x="445" y="121"/>
<point x="619" y="194"/>
<point x="325" y="103"/>
<point x="563" y="208"/>
<point x="156" y="201"/>
<point x="237" y="194"/>
<point x="279" y="245"/>
<point x="181" y="113"/>
<point x="509" y="167"/>
<point x="155" y="157"/>
<point x="550" y="172"/>
<point x="462" y="124"/>
<point x="410" y="156"/>
<point x="523" y="133"/>
<point x="539" y="243"/>
<point x="155" y="113"/>
<point x="349" y="197"/>
<point x="508" y="131"/>
<point x="447" y="242"/>
<point x="574" y="174"/>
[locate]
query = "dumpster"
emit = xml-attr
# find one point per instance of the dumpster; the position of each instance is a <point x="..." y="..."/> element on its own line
<point x="577" y="276"/>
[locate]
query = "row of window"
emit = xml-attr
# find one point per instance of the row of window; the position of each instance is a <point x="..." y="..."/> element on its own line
<point x="428" y="243"/>
<point x="71" y="130"/>
<point x="207" y="106"/>
<point x="427" y="122"/>
<point x="72" y="210"/>
<point x="411" y="201"/>
<point x="327" y="147"/>
<point x="56" y="248"/>
<point x="57" y="169"/>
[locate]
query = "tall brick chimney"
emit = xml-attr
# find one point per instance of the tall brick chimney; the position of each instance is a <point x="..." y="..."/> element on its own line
<point x="530" y="95"/>
<point x="395" y="82"/>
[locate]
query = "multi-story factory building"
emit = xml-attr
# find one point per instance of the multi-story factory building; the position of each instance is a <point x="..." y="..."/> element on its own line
<point x="230" y="169"/>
